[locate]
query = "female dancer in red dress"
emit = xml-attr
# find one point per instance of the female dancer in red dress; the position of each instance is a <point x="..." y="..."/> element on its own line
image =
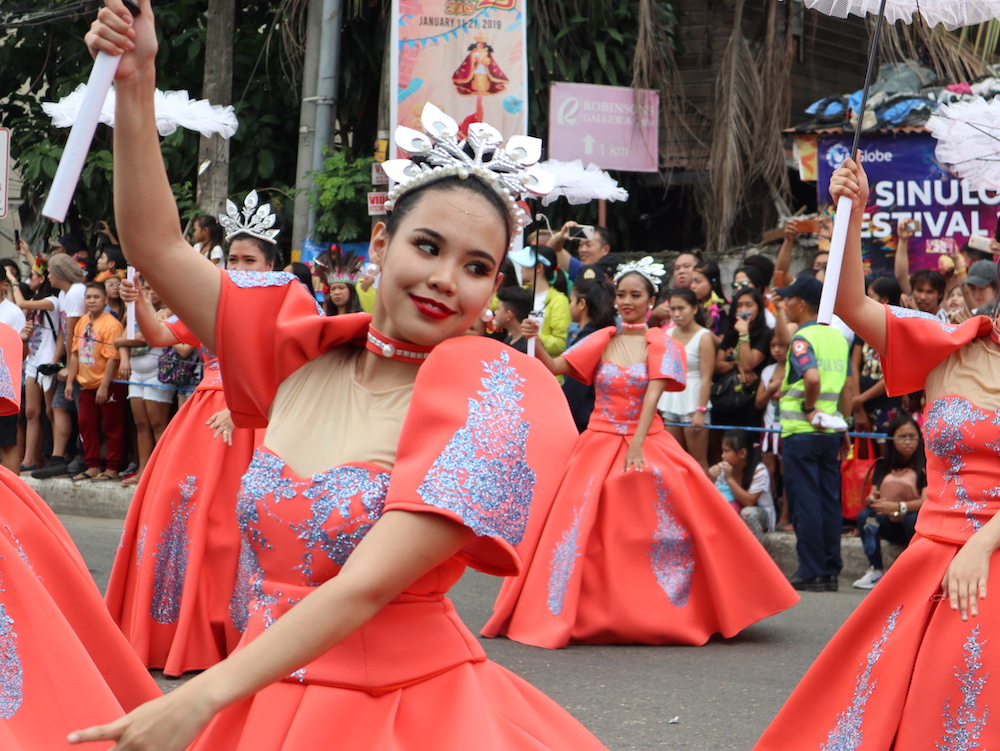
<point x="638" y="547"/>
<point x="172" y="584"/>
<point x="63" y="661"/>
<point x="911" y="668"/>
<point x="398" y="451"/>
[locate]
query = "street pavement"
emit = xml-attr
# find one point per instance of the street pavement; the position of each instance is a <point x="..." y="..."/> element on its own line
<point x="713" y="698"/>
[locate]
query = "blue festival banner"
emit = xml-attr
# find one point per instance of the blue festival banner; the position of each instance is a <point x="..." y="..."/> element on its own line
<point x="907" y="183"/>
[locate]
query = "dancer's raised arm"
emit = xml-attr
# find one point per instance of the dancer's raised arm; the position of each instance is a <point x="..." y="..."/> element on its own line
<point x="862" y="314"/>
<point x="145" y="211"/>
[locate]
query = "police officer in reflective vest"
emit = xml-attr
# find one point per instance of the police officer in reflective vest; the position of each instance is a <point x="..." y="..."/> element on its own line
<point x="814" y="378"/>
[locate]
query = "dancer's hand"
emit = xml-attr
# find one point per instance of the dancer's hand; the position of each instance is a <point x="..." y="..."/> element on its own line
<point x="850" y="181"/>
<point x="634" y="458"/>
<point x="964" y="582"/>
<point x="169" y="723"/>
<point x="128" y="291"/>
<point x="222" y="424"/>
<point x="133" y="39"/>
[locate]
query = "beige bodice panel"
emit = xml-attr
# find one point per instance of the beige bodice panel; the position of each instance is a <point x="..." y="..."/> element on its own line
<point x="322" y="418"/>
<point x="626" y="350"/>
<point x="972" y="371"/>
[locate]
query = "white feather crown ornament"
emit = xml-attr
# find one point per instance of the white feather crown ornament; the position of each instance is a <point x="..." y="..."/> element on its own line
<point x="509" y="169"/>
<point x="254" y="220"/>
<point x="647" y="267"/>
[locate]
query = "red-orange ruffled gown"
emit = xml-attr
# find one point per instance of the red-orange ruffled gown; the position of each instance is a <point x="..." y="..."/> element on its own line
<point x="174" y="573"/>
<point x="64" y="665"/>
<point x="478" y="444"/>
<point x="904" y="672"/>
<point x="653" y="557"/>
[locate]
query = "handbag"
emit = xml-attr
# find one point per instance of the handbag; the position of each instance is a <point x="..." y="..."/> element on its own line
<point x="730" y="394"/>
<point x="856" y="477"/>
<point x="174" y="370"/>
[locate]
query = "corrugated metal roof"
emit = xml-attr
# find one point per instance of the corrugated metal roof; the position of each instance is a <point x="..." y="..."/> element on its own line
<point x="834" y="131"/>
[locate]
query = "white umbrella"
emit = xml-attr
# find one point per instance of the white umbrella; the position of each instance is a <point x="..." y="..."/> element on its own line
<point x="579" y="184"/>
<point x="953" y="14"/>
<point x="174" y="109"/>
<point x="968" y="135"/>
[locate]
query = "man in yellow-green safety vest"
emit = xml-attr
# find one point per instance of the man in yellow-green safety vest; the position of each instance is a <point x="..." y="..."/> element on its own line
<point x="815" y="375"/>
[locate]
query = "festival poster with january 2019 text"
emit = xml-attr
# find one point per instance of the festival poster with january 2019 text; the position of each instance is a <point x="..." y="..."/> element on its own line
<point x="468" y="58"/>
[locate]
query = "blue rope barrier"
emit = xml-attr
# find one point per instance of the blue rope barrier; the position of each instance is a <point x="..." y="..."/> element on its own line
<point x="764" y="430"/>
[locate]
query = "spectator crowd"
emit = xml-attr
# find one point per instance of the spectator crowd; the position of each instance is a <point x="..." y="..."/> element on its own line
<point x="768" y="396"/>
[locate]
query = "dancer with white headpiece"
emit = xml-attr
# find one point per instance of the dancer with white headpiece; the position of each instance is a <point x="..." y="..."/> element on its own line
<point x="639" y="546"/>
<point x="172" y="589"/>
<point x="398" y="451"/>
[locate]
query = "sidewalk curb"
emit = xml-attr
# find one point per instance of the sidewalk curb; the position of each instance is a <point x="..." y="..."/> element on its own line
<point x="107" y="500"/>
<point x="781" y="547"/>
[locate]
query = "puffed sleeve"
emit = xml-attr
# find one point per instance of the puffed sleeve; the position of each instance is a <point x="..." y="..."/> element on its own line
<point x="485" y="441"/>
<point x="916" y="343"/>
<point x="666" y="359"/>
<point x="584" y="356"/>
<point x="181" y="332"/>
<point x="266" y="328"/>
<point x="11" y="348"/>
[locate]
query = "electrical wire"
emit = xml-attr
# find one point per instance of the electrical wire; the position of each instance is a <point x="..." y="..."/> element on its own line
<point x="27" y="16"/>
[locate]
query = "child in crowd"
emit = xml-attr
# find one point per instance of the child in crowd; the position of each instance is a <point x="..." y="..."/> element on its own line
<point x="690" y="406"/>
<point x="208" y="238"/>
<point x="149" y="399"/>
<point x="899" y="487"/>
<point x="540" y="271"/>
<point x="592" y="307"/>
<point x="112" y="287"/>
<point x="743" y="472"/>
<point x="93" y="365"/>
<point x="513" y="306"/>
<point x="768" y="395"/>
<point x="110" y="264"/>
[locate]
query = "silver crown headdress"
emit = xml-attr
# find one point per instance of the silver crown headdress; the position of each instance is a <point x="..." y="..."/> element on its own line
<point x="507" y="168"/>
<point x="254" y="220"/>
<point x="647" y="267"/>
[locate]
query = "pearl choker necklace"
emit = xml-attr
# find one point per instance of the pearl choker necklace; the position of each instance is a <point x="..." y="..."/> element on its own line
<point x="392" y="349"/>
<point x="633" y="326"/>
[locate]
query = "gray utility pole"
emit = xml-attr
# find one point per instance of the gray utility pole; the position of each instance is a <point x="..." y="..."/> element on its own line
<point x="307" y="125"/>
<point x="326" y="84"/>
<point x="213" y="153"/>
<point x="325" y="99"/>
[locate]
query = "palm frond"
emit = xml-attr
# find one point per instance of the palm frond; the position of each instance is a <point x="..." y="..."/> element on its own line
<point x="735" y="126"/>
<point x="775" y="67"/>
<point x="949" y="53"/>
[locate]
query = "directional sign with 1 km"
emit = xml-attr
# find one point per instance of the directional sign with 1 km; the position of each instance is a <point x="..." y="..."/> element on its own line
<point x="4" y="169"/>
<point x="615" y="127"/>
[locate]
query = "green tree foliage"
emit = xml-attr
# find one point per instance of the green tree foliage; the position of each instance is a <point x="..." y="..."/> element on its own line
<point x="339" y="196"/>
<point x="43" y="58"/>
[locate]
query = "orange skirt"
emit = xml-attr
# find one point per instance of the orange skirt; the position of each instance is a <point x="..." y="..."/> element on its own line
<point x="904" y="671"/>
<point x="64" y="665"/>
<point x="173" y="574"/>
<point x="653" y="557"/>
<point x="476" y="705"/>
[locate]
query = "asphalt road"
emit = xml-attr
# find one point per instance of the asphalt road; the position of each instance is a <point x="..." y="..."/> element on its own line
<point x="717" y="697"/>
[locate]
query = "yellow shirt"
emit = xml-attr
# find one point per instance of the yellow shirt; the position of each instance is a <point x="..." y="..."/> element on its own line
<point x="93" y="345"/>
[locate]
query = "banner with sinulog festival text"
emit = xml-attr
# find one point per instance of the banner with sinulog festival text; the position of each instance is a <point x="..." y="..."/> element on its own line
<point x="909" y="184"/>
<point x="467" y="57"/>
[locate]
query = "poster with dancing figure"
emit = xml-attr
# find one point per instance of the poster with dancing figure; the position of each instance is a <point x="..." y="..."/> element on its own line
<point x="467" y="57"/>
